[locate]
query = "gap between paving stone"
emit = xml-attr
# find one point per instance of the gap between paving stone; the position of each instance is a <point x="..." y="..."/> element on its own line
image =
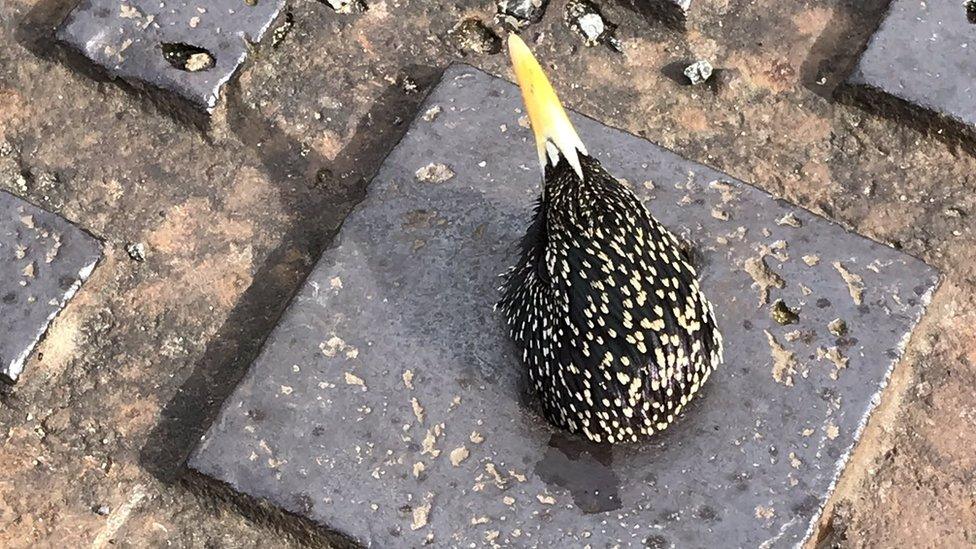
<point x="391" y="355"/>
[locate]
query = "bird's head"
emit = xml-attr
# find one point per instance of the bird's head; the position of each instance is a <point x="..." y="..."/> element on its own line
<point x="555" y="135"/>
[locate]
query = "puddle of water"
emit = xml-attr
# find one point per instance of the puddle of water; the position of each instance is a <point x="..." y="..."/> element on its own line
<point x="583" y="468"/>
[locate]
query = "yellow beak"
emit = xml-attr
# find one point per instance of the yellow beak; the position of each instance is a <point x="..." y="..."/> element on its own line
<point x="555" y="135"/>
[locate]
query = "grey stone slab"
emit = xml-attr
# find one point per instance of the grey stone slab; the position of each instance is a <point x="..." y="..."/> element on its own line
<point x="921" y="58"/>
<point x="127" y="39"/>
<point x="44" y="259"/>
<point x="324" y="425"/>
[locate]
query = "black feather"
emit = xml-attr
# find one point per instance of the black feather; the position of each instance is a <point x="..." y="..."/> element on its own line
<point x="606" y="309"/>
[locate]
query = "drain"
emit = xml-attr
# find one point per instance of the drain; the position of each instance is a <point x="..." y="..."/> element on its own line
<point x="188" y="58"/>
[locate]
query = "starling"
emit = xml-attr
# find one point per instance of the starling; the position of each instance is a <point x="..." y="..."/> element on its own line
<point x="603" y="303"/>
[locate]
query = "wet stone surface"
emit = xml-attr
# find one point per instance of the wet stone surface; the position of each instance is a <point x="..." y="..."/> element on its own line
<point x="388" y="404"/>
<point x="188" y="49"/>
<point x="921" y="58"/>
<point x="44" y="259"/>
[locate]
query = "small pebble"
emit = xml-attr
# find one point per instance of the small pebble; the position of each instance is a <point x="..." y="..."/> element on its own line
<point x="136" y="251"/>
<point x="698" y="72"/>
<point x="782" y="314"/>
<point x="584" y="18"/>
<point x="516" y="14"/>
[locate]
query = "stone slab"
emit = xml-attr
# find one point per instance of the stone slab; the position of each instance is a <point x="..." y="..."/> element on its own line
<point x="126" y="39"/>
<point x="44" y="259"/>
<point x="325" y="425"/>
<point x="921" y="57"/>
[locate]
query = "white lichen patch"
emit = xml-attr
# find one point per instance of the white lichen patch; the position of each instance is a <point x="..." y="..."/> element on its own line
<point x="353" y="379"/>
<point x="763" y="277"/>
<point x="434" y="173"/>
<point x="833" y="355"/>
<point x="855" y="284"/>
<point x="421" y="514"/>
<point x="458" y="455"/>
<point x="418" y="468"/>
<point x="811" y="260"/>
<point x="432" y="113"/>
<point x="476" y="437"/>
<point x="428" y="445"/>
<point x="777" y="250"/>
<point x="728" y="190"/>
<point x="495" y="475"/>
<point x="408" y="379"/>
<point x="832" y="431"/>
<point x="721" y="214"/>
<point x="52" y="252"/>
<point x="418" y="410"/>
<point x="784" y="361"/>
<point x="765" y="513"/>
<point x="129" y="12"/>
<point x="789" y="220"/>
<point x="335" y="345"/>
<point x="546" y="499"/>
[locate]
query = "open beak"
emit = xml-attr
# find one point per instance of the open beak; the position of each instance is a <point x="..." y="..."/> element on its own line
<point x="555" y="135"/>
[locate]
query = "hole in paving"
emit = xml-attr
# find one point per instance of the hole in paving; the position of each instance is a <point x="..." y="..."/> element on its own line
<point x="971" y="10"/>
<point x="186" y="57"/>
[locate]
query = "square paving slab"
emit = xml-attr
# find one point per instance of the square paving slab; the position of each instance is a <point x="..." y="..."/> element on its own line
<point x="44" y="259"/>
<point x="182" y="47"/>
<point x="389" y="406"/>
<point x="922" y="57"/>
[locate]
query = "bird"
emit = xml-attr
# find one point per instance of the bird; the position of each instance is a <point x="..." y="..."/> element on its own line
<point x="603" y="302"/>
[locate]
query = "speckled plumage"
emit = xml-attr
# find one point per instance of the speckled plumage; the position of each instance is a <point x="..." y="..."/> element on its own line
<point x="606" y="310"/>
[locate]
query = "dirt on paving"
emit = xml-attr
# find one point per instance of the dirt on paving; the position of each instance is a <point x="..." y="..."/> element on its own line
<point x="232" y="217"/>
